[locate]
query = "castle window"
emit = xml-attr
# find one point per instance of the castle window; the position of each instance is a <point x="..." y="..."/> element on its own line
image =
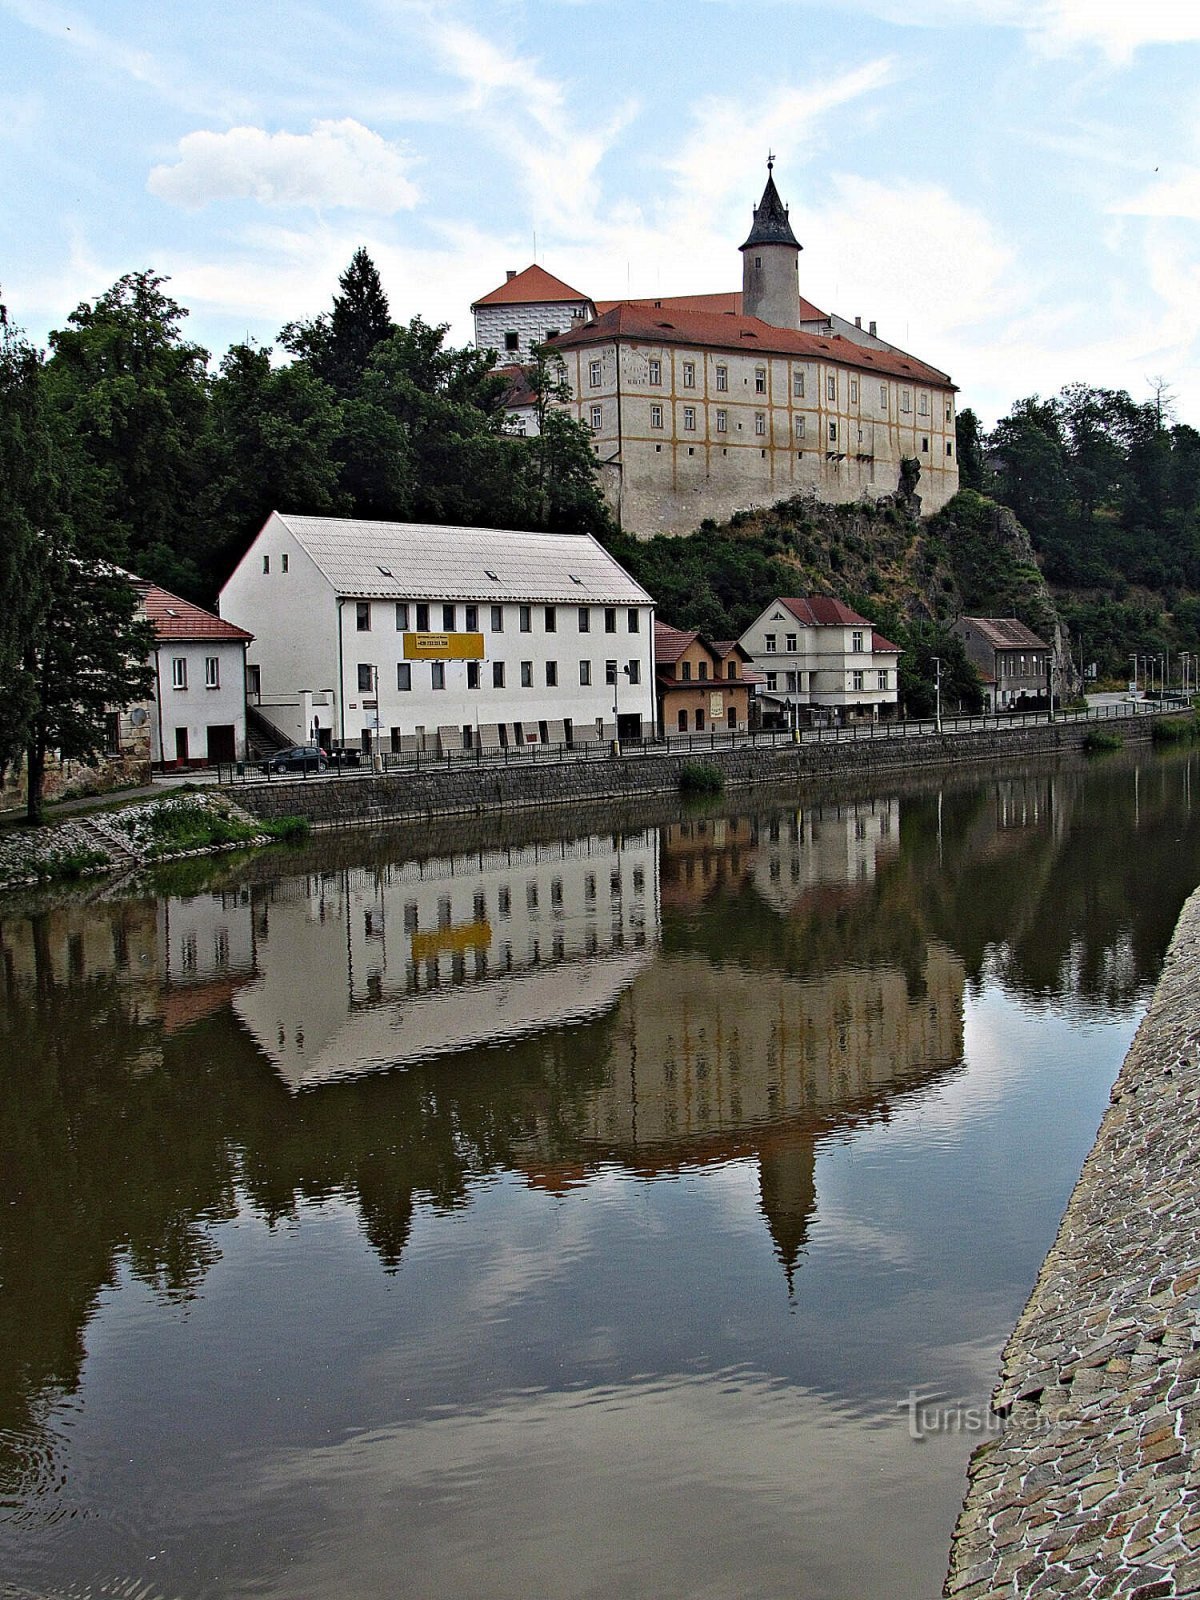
<point x="722" y="421"/>
<point x="925" y="446"/>
<point x="853" y="391"/>
<point x="923" y="405"/>
<point x="760" y="380"/>
<point x="949" y="411"/>
<point x="949" y="448"/>
<point x="722" y="378"/>
<point x="758" y="263"/>
<point x="656" y="416"/>
<point x="799" y="427"/>
<point x="594" y="374"/>
<point x="798" y="385"/>
<point x="655" y="370"/>
<point x="266" y="563"/>
<point x="689" y="374"/>
<point x="689" y="418"/>
<point x="597" y="418"/>
<point x="512" y="340"/>
<point x="883" y="396"/>
<point x="831" y="387"/>
<point x="906" y="399"/>
<point x="833" y="433"/>
<point x="760" y="422"/>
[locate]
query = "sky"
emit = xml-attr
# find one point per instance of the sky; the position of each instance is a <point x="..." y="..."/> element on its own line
<point x="1009" y="188"/>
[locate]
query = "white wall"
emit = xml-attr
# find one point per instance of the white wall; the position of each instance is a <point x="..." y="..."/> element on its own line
<point x="531" y="324"/>
<point x="197" y="707"/>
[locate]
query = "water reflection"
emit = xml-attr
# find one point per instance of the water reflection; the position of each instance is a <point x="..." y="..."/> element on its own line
<point x="712" y="999"/>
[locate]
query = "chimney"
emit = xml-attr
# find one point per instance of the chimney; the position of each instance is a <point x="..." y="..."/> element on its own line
<point x="510" y="275"/>
<point x="871" y="330"/>
<point x="858" y="322"/>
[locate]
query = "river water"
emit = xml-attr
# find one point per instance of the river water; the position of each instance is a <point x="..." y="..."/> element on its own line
<point x="515" y="1210"/>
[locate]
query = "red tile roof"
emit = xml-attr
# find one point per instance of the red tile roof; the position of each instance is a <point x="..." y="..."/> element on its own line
<point x="660" y="326"/>
<point x="728" y="303"/>
<point x="174" y="618"/>
<point x="534" y="286"/>
<point x="520" y="393"/>
<point x="670" y="643"/>
<point x="821" y="611"/>
<point x="883" y="647"/>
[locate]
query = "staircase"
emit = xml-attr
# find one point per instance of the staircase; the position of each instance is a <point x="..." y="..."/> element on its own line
<point x="263" y="738"/>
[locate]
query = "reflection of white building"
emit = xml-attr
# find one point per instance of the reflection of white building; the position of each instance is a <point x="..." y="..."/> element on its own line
<point x="832" y="844"/>
<point x="361" y="968"/>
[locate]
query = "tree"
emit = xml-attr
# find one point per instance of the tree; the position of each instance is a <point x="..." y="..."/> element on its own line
<point x="134" y="397"/>
<point x="1028" y="451"/>
<point x="564" y="467"/>
<point x="970" y="446"/>
<point x="338" y="346"/>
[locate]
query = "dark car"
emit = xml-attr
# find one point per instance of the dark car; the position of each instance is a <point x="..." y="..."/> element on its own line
<point x="297" y="758"/>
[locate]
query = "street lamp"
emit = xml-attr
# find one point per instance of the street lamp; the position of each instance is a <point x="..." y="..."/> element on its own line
<point x="937" y="692"/>
<point x="1133" y="685"/>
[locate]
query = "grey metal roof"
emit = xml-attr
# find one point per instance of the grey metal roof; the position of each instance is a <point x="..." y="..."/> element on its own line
<point x="1006" y="633"/>
<point x="416" y="560"/>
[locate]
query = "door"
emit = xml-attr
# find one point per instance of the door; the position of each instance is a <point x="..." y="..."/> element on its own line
<point x="221" y="745"/>
<point x="181" y="746"/>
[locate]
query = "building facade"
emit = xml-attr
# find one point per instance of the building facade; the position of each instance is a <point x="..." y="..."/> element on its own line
<point x="822" y="663"/>
<point x="699" y="683"/>
<point x="198" y="714"/>
<point x="403" y="637"/>
<point x="528" y="309"/>
<point x="1013" y="663"/>
<point x="703" y="405"/>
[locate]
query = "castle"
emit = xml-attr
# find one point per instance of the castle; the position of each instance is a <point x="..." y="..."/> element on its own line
<point x="702" y="405"/>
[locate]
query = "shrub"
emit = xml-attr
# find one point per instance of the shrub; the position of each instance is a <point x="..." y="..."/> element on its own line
<point x="701" y="777"/>
<point x="1174" y="730"/>
<point x="69" y="863"/>
<point x="1102" y="739"/>
<point x="291" y="829"/>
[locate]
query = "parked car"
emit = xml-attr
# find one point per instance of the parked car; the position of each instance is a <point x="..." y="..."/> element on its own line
<point x="297" y="758"/>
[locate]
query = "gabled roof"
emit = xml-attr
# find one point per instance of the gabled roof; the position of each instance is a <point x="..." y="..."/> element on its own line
<point x="700" y="329"/>
<point x="670" y="643"/>
<point x="728" y="303"/>
<point x="883" y="647"/>
<point x="520" y="394"/>
<point x="821" y="611"/>
<point x="534" y="286"/>
<point x="418" y="561"/>
<point x="771" y="225"/>
<point x="180" y="620"/>
<point x="1007" y="633"/>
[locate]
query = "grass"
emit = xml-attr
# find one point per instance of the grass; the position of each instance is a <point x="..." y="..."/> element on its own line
<point x="57" y="865"/>
<point x="1175" y="730"/>
<point x="701" y="777"/>
<point x="1100" y="739"/>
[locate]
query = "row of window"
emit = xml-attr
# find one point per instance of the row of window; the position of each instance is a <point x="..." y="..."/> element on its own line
<point x="721" y="383"/>
<point x="698" y="722"/>
<point x="685" y="671"/>
<point x="799" y="424"/>
<point x="419" y="613"/>
<point x="792" y="683"/>
<point x="858" y="642"/>
<point x="212" y="672"/>
<point x="368" y="681"/>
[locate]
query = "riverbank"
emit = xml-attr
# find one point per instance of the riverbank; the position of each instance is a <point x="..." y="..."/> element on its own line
<point x="1090" y="1490"/>
<point x="470" y="789"/>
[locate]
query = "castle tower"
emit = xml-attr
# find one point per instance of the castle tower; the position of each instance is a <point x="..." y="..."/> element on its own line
<point x="771" y="262"/>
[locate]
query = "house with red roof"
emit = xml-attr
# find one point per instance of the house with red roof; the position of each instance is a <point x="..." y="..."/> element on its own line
<point x="698" y="683"/>
<point x="822" y="663"/>
<point x="702" y="405"/>
<point x="198" y="714"/>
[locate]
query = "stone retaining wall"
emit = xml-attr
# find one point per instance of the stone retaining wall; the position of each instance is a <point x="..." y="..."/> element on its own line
<point x="439" y="791"/>
<point x="1092" y="1487"/>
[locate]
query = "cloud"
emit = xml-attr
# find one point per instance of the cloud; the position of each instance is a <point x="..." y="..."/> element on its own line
<point x="1175" y="195"/>
<point x="337" y="164"/>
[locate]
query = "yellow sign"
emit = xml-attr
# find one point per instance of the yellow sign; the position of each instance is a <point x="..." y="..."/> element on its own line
<point x="443" y="647"/>
<point x="716" y="705"/>
<point x="467" y="936"/>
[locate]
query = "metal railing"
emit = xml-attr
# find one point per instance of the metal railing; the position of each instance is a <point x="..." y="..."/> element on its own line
<point x="706" y="743"/>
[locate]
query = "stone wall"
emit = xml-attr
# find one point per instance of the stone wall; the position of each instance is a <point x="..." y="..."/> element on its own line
<point x="439" y="791"/>
<point x="1091" y="1490"/>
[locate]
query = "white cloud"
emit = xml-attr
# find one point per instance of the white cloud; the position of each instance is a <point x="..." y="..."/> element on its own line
<point x="337" y="164"/>
<point x="1176" y="194"/>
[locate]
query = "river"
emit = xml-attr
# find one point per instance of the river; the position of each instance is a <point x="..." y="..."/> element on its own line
<point x="632" y="1207"/>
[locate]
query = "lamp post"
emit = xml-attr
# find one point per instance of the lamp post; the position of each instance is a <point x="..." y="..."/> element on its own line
<point x="1185" y="661"/>
<point x="937" y="692"/>
<point x="1133" y="685"/>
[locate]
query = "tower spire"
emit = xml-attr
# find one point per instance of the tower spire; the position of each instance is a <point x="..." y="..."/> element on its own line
<point x="771" y="260"/>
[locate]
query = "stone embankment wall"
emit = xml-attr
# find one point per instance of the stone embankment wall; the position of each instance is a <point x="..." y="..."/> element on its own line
<point x="1092" y="1488"/>
<point x="441" y="791"/>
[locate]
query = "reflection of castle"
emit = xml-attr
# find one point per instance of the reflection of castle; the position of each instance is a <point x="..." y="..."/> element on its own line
<point x="364" y="968"/>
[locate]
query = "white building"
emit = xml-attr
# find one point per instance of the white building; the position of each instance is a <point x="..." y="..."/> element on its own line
<point x="401" y="636"/>
<point x="822" y="663"/>
<point x="198" y="714"/>
<point x="527" y="309"/>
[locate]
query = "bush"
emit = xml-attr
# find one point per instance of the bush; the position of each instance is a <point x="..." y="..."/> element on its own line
<point x="291" y="829"/>
<point x="69" y="864"/>
<point x="701" y="777"/>
<point x="1174" y="730"/>
<point x="1101" y="739"/>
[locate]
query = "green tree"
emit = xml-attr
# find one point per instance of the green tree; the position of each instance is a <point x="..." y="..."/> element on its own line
<point x="1030" y="459"/>
<point x="134" y="396"/>
<point x="338" y="346"/>
<point x="970" y="446"/>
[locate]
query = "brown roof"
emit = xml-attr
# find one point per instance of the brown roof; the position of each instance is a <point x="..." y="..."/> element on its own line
<point x="670" y="643"/>
<point x="654" y="325"/>
<point x="174" y="618"/>
<point x="520" y="392"/>
<point x="1007" y="633"/>
<point x="532" y="287"/>
<point x="884" y="647"/>
<point x="727" y="304"/>
<point x="821" y="611"/>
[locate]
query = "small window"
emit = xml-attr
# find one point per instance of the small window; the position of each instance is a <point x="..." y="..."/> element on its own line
<point x="856" y="641"/>
<point x="681" y="721"/>
<point x="283" y="561"/>
<point x="437" y="674"/>
<point x="610" y="619"/>
<point x="831" y="387"/>
<point x="853" y="391"/>
<point x="924" y="446"/>
<point x="923" y="405"/>
<point x="254" y="680"/>
<point x="799" y="426"/>
<point x="472" y="674"/>
<point x="689" y="374"/>
<point x="685" y="671"/>
<point x="949" y="447"/>
<point x="654" y="370"/>
<point x="656" y="416"/>
<point x="883" y="396"/>
<point x="610" y="672"/>
<point x="585" y="619"/>
<point x="212" y="672"/>
<point x="722" y="421"/>
<point x="366" y="677"/>
<point x="362" y="616"/>
<point x="179" y="672"/>
<point x="760" y="380"/>
<point x="401" y="616"/>
<point x="422" y="617"/>
<point x="471" y="619"/>
<point x="594" y="374"/>
<point x="731" y="669"/>
<point x="449" y="618"/>
<point x="857" y="680"/>
<point x="585" y="673"/>
<point x="833" y="433"/>
<point x="633" y="620"/>
<point x="512" y="340"/>
<point x="551" y="333"/>
<point x="403" y="676"/>
<point x="497" y="674"/>
<point x="772" y="681"/>
<point x="760" y="423"/>
<point x="906" y="399"/>
<point x="789" y="643"/>
<point x="722" y="379"/>
<point x="883" y="680"/>
<point x="633" y="672"/>
<point x="770" y="643"/>
<point x="527" y="674"/>
<point x="689" y="419"/>
<point x="597" y="418"/>
<point x="703" y="671"/>
<point x="949" y="411"/>
<point x="526" y="619"/>
<point x="552" y="674"/>
<point x="551" y="619"/>
<point x="497" y="619"/>
<point x="798" y="385"/>
<point x="266" y="563"/>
